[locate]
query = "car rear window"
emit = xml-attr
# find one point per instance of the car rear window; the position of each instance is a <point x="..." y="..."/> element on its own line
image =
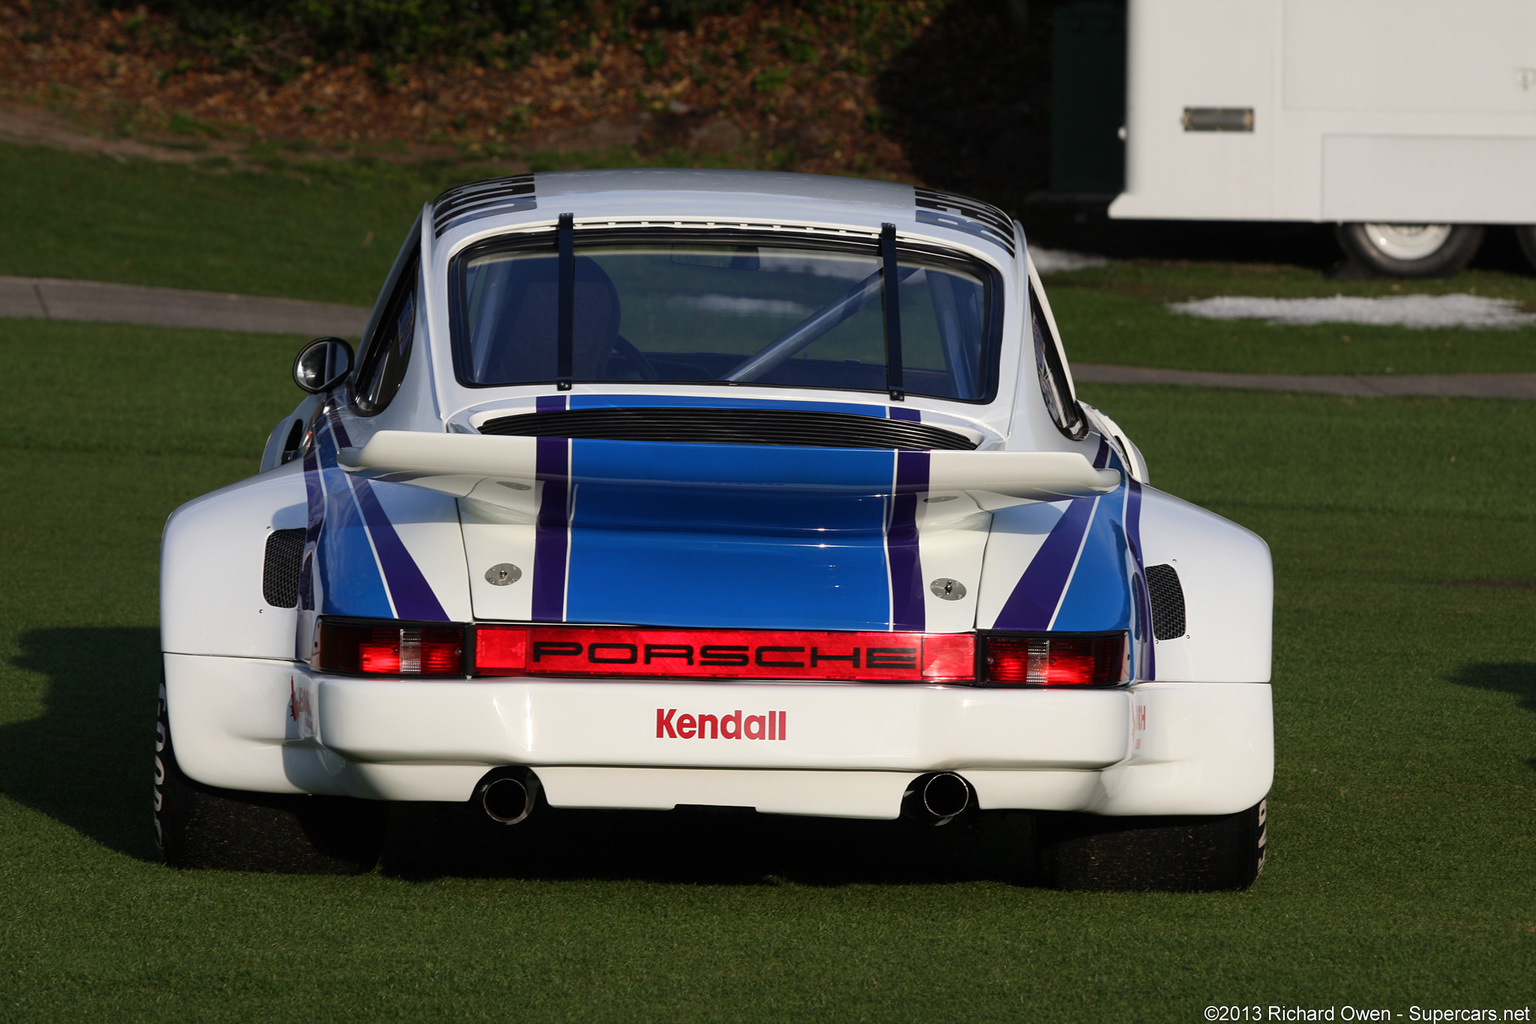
<point x="748" y="311"/>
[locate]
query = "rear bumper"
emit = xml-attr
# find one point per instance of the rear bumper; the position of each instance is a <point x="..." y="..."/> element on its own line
<point x="845" y="750"/>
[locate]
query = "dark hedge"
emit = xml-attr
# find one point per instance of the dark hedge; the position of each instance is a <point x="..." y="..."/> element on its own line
<point x="279" y="36"/>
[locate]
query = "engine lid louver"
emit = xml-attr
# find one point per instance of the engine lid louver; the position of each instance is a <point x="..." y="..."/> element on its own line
<point x="732" y="426"/>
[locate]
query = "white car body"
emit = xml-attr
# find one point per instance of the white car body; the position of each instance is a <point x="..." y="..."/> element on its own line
<point x="408" y="513"/>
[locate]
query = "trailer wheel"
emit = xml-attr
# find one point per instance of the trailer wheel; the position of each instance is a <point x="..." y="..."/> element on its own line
<point x="1411" y="250"/>
<point x="198" y="826"/>
<point x="1526" y="234"/>
<point x="1171" y="854"/>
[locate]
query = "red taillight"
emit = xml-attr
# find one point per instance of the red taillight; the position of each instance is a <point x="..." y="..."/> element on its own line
<point x="625" y="651"/>
<point x="1054" y="660"/>
<point x="391" y="650"/>
<point x="508" y="650"/>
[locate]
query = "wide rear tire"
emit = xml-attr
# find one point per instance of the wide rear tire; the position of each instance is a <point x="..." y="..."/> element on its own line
<point x="1525" y="234"/>
<point x="1172" y="854"/>
<point x="198" y="826"/>
<point x="1411" y="250"/>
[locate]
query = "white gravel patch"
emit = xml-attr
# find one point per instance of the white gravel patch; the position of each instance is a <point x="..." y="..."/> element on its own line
<point x="1052" y="261"/>
<point x="1393" y="310"/>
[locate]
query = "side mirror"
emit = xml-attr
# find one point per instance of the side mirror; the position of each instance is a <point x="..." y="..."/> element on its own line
<point x="322" y="364"/>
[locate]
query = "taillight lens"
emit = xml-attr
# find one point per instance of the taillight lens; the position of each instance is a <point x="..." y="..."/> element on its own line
<point x="390" y="650"/>
<point x="1013" y="660"/>
<point x="508" y="650"/>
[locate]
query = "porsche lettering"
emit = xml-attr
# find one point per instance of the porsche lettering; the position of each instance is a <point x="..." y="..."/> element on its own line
<point x="556" y="654"/>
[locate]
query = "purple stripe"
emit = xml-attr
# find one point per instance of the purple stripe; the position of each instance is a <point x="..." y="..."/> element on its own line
<point x="1035" y="598"/>
<point x="1038" y="593"/>
<point x="315" y="497"/>
<point x="334" y="419"/>
<point x="1147" y="656"/>
<point x="901" y="548"/>
<point x="550" y="403"/>
<point x="551" y="544"/>
<point x="409" y="590"/>
<point x="912" y="415"/>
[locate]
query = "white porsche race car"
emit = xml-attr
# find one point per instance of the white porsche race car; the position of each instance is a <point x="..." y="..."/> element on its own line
<point x="660" y="488"/>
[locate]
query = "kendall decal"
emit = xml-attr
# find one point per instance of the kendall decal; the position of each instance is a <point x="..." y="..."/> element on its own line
<point x="673" y="726"/>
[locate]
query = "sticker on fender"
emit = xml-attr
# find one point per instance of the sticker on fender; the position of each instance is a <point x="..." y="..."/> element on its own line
<point x="672" y="726"/>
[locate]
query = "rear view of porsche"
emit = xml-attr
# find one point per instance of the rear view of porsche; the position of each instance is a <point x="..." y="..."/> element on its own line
<point x="661" y="488"/>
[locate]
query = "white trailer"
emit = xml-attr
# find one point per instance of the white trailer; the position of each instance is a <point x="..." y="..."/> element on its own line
<point x="1409" y="123"/>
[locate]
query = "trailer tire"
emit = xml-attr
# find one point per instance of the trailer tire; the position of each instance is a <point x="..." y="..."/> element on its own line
<point x="1525" y="234"/>
<point x="1169" y="854"/>
<point x="198" y="826"/>
<point x="1411" y="250"/>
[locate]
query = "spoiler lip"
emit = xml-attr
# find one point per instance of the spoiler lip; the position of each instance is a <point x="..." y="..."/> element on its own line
<point x="457" y="464"/>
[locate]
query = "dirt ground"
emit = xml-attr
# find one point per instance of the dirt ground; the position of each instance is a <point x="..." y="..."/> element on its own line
<point x="779" y="89"/>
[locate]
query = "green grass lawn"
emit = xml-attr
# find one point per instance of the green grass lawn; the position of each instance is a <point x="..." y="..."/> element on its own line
<point x="292" y="226"/>
<point x="1403" y="815"/>
<point x="328" y="230"/>
<point x="1118" y="314"/>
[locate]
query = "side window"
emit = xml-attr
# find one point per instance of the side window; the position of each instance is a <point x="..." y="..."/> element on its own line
<point x="1053" y="377"/>
<point x="383" y="364"/>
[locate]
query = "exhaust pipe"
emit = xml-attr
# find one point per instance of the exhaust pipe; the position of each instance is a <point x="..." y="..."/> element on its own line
<point x="936" y="798"/>
<point x="508" y="794"/>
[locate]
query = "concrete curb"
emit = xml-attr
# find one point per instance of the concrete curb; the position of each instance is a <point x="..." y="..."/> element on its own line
<point x="45" y="298"/>
<point x="1450" y="385"/>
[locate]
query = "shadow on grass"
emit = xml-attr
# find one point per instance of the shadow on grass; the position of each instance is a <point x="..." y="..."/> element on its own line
<point x="1516" y="677"/>
<point x="705" y="845"/>
<point x="87" y="761"/>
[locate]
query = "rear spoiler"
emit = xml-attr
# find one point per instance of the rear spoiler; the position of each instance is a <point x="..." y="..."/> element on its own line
<point x="462" y="464"/>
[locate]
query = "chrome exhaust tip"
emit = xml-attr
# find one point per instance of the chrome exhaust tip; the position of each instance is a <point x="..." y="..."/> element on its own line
<point x="936" y="798"/>
<point x="508" y="795"/>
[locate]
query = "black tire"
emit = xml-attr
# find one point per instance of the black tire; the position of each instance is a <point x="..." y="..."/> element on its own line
<point x="1392" y="251"/>
<point x="1172" y="854"/>
<point x="1525" y="234"/>
<point x="198" y="826"/>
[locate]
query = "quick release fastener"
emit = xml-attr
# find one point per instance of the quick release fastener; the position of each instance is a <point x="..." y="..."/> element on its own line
<point x="503" y="574"/>
<point x="948" y="589"/>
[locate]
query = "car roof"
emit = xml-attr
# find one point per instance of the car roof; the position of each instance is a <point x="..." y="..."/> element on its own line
<point x="748" y="198"/>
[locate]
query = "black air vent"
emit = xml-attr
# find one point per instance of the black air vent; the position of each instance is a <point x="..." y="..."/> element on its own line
<point x="479" y="198"/>
<point x="970" y="215"/>
<point x="732" y="426"/>
<point x="1167" y="597"/>
<point x="280" y="575"/>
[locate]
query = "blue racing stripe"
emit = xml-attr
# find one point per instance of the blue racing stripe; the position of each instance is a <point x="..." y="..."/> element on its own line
<point x="1141" y="632"/>
<point x="349" y="574"/>
<point x="710" y="535"/>
<point x="1043" y="588"/>
<point x="408" y="588"/>
<point x="314" y="497"/>
<point x="1097" y="598"/>
<point x="1035" y="597"/>
<point x="409" y="592"/>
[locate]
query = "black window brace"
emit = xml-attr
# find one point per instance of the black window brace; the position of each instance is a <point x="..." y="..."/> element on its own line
<point x="565" y="238"/>
<point x="891" y="288"/>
